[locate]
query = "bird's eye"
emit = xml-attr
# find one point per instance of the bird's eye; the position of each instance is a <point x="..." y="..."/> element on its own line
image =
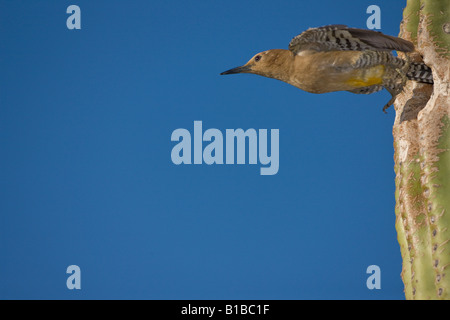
<point x="257" y="58"/>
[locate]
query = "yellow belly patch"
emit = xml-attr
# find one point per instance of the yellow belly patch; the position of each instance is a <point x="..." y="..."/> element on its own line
<point x="368" y="77"/>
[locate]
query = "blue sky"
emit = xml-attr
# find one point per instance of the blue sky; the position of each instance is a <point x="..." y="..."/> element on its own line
<point x="86" y="177"/>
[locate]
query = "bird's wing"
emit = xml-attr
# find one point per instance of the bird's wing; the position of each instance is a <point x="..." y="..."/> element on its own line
<point x="339" y="37"/>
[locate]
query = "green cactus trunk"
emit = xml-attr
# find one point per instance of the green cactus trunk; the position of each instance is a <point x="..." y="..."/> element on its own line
<point x="422" y="156"/>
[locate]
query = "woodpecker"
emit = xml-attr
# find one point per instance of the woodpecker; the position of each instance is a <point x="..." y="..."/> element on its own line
<point x="339" y="58"/>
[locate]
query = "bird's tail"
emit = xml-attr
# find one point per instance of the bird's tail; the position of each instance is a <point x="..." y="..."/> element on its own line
<point x="419" y="71"/>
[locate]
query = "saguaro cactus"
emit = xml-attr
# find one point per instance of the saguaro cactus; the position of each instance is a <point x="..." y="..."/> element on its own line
<point x="422" y="156"/>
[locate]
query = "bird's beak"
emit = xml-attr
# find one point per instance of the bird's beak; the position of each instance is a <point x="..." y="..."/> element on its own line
<point x="241" y="69"/>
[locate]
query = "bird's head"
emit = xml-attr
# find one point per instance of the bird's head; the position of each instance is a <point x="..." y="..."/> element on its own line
<point x="267" y="63"/>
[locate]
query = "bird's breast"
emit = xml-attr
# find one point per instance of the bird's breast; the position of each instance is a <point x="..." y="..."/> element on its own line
<point x="322" y="72"/>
